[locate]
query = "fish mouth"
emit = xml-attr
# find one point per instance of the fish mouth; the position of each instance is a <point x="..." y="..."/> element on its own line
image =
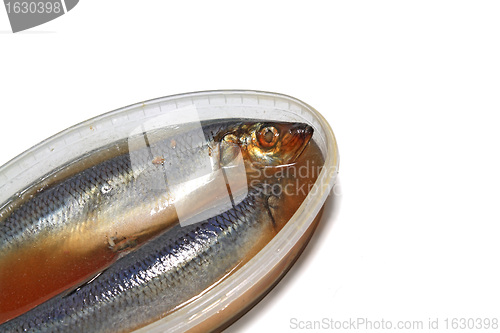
<point x="300" y="134"/>
<point x="295" y="138"/>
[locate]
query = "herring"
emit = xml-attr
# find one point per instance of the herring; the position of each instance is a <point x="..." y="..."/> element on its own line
<point x="74" y="228"/>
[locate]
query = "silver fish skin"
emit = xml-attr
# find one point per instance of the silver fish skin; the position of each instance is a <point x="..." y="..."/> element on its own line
<point x="78" y="226"/>
<point x="74" y="229"/>
<point x="155" y="279"/>
<point x="104" y="195"/>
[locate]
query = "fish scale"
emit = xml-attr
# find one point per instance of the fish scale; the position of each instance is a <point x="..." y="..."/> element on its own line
<point x="82" y="193"/>
<point x="179" y="259"/>
<point x="119" y="206"/>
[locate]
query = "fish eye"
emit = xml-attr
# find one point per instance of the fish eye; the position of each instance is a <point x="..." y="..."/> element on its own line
<point x="268" y="136"/>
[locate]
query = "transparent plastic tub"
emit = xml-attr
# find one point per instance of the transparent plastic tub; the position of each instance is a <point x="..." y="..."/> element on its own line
<point x="222" y="304"/>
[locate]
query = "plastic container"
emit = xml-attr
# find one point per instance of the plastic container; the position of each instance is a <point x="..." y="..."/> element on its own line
<point x="224" y="303"/>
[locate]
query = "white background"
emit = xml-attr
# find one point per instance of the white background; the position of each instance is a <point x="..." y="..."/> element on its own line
<point x="411" y="90"/>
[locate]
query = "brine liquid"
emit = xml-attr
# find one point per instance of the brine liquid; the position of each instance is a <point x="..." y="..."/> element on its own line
<point x="37" y="274"/>
<point x="44" y="269"/>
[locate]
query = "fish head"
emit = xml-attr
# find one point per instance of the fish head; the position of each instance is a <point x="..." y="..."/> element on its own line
<point x="266" y="144"/>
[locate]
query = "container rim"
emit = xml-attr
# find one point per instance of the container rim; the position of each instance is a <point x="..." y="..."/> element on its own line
<point x="220" y="296"/>
<point x="239" y="282"/>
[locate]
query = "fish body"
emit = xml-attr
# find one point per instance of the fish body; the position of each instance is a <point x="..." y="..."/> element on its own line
<point x="75" y="228"/>
<point x="68" y="232"/>
<point x="160" y="276"/>
<point x="109" y="191"/>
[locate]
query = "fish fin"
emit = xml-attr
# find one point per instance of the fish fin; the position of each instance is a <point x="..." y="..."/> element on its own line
<point x="122" y="244"/>
<point x="269" y="205"/>
<point x="89" y="281"/>
<point x="229" y="150"/>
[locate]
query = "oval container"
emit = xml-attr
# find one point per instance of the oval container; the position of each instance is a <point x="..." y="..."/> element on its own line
<point x="227" y="301"/>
